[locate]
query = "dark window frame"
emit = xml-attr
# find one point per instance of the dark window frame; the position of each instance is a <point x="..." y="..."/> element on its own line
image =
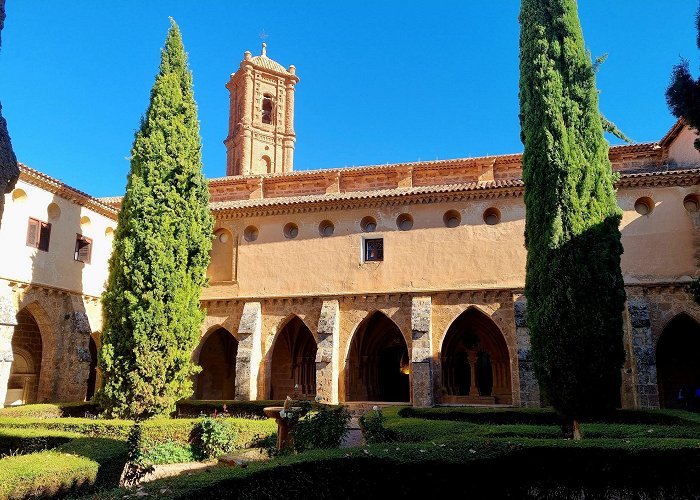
<point x="86" y="242"/>
<point x="373" y="249"/>
<point x="40" y="237"/>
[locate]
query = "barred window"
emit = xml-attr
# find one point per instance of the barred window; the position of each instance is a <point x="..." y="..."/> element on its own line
<point x="374" y="249"/>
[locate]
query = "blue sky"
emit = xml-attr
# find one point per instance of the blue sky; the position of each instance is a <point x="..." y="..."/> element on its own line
<point x="381" y="82"/>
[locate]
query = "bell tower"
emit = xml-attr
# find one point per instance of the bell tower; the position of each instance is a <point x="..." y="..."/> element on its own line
<point x="261" y="117"/>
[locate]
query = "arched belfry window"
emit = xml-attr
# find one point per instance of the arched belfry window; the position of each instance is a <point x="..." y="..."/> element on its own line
<point x="267" y="109"/>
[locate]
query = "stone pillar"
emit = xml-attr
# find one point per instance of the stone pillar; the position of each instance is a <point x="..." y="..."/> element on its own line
<point x="249" y="355"/>
<point x="472" y="357"/>
<point x="643" y="353"/>
<point x="529" y="387"/>
<point x="421" y="351"/>
<point x="8" y="321"/>
<point x="327" y="355"/>
<point x="289" y="136"/>
<point x="77" y="332"/>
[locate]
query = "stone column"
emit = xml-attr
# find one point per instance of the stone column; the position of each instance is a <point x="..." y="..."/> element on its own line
<point x="76" y="331"/>
<point x="327" y="355"/>
<point x="289" y="136"/>
<point x="643" y="353"/>
<point x="529" y="387"/>
<point x="473" y="389"/>
<point x="421" y="351"/>
<point x="8" y="321"/>
<point x="249" y="355"/>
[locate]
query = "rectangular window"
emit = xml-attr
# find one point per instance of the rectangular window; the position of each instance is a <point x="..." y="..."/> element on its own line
<point x="83" y="249"/>
<point x="374" y="249"/>
<point x="38" y="234"/>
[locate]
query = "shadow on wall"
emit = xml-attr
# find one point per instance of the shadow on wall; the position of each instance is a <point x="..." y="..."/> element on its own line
<point x="53" y="340"/>
<point x="678" y="364"/>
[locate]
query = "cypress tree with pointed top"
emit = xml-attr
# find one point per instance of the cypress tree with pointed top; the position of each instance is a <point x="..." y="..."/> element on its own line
<point x="161" y="252"/>
<point x="574" y="287"/>
<point x="683" y="99"/>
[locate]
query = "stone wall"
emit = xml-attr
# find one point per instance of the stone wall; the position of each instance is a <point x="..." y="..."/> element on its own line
<point x="333" y="322"/>
<point x="64" y="323"/>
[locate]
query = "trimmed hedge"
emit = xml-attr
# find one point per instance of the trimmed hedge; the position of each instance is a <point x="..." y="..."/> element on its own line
<point x="81" y="465"/>
<point x="23" y="441"/>
<point x="543" y="416"/>
<point x="50" y="410"/>
<point x="245" y="409"/>
<point x="186" y="408"/>
<point x="154" y="432"/>
<point x="474" y="468"/>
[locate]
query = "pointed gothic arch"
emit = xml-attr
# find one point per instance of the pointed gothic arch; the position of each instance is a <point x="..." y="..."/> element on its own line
<point x="678" y="363"/>
<point x="474" y="360"/>
<point x="217" y="357"/>
<point x="378" y="362"/>
<point x="292" y="361"/>
<point x="28" y="353"/>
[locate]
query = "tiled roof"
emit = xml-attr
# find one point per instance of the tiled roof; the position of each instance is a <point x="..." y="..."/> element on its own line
<point x="265" y="62"/>
<point x="366" y="195"/>
<point x="290" y="201"/>
<point x="53" y="185"/>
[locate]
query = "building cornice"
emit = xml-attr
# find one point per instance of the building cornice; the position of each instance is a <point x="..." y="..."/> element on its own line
<point x="52" y="185"/>
<point x="427" y="194"/>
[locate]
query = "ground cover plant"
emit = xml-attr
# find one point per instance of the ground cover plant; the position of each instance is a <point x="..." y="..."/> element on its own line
<point x="644" y="454"/>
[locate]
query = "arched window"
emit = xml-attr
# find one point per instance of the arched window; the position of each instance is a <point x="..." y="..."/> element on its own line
<point x="267" y="109"/>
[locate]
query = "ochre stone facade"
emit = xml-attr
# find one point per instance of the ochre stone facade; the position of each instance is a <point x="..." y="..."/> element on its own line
<point x="50" y="300"/>
<point x="395" y="283"/>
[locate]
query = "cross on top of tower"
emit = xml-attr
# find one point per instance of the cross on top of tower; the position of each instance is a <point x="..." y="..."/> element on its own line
<point x="263" y="37"/>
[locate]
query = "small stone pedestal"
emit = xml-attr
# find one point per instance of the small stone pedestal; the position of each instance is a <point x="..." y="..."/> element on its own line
<point x="285" y="438"/>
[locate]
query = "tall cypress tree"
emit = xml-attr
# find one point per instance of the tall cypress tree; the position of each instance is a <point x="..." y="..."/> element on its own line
<point x="160" y="256"/>
<point x="573" y="283"/>
<point x="683" y="98"/>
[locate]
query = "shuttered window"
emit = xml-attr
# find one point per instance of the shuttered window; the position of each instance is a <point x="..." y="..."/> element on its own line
<point x="38" y="234"/>
<point x="83" y="249"/>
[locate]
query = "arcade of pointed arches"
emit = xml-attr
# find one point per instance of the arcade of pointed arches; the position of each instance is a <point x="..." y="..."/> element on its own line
<point x="473" y="366"/>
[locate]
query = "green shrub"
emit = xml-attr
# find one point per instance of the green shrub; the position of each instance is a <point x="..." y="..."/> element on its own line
<point x="373" y="429"/>
<point x="216" y="436"/>
<point x="241" y="409"/>
<point x="50" y="410"/>
<point x="324" y="428"/>
<point x="23" y="441"/>
<point x="470" y="468"/>
<point x="77" y="466"/>
<point x="154" y="431"/>
<point x="170" y="452"/>
<point x="544" y="416"/>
